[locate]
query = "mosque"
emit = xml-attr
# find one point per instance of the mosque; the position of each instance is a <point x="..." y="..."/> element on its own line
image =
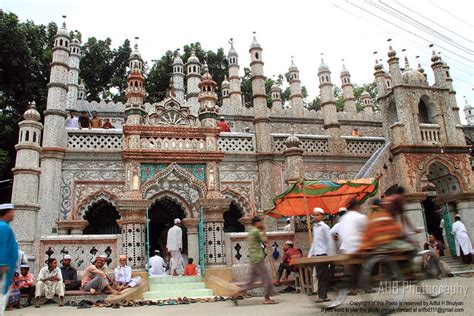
<point x="116" y="191"/>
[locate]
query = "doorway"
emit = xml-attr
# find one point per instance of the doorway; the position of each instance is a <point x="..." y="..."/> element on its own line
<point x="161" y="217"/>
<point x="102" y="217"/>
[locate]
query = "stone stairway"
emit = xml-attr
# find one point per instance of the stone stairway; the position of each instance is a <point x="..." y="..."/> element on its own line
<point x="457" y="266"/>
<point x="172" y="287"/>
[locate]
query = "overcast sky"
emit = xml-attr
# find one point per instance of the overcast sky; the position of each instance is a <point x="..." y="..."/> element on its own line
<point x="340" y="29"/>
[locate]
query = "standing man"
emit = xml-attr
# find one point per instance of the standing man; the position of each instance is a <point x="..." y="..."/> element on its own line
<point x="287" y="227"/>
<point x="84" y="121"/>
<point x="157" y="265"/>
<point x="463" y="242"/>
<point x="96" y="122"/>
<point x="50" y="283"/>
<point x="69" y="275"/>
<point x="174" y="244"/>
<point x="322" y="246"/>
<point x="72" y="121"/>
<point x="258" y="268"/>
<point x="8" y="252"/>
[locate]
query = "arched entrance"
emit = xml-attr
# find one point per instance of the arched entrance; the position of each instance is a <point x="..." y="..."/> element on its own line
<point x="102" y="217"/>
<point x="231" y="219"/>
<point x="161" y="215"/>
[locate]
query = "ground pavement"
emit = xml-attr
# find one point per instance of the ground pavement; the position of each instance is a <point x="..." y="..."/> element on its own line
<point x="460" y="302"/>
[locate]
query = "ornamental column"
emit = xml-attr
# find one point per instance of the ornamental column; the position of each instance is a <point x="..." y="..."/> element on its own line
<point x="133" y="226"/>
<point x="192" y="227"/>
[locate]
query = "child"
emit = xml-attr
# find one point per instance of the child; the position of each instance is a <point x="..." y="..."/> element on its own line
<point x="191" y="268"/>
<point x="14" y="297"/>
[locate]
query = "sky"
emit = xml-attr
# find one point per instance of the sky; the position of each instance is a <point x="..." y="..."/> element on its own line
<point x="349" y="30"/>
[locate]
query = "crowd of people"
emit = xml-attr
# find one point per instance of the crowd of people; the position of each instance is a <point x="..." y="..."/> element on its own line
<point x="85" y="121"/>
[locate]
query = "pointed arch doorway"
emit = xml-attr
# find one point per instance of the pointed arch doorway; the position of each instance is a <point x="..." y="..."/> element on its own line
<point x="161" y="215"/>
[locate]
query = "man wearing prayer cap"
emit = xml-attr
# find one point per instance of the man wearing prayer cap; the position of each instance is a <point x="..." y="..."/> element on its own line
<point x="69" y="274"/>
<point x="463" y="242"/>
<point x="8" y="250"/>
<point x="174" y="244"/>
<point x="289" y="252"/>
<point x="287" y="227"/>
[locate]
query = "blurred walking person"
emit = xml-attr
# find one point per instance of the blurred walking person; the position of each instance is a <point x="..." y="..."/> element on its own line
<point x="463" y="242"/>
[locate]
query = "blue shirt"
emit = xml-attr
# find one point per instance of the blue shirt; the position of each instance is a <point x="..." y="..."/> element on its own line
<point x="8" y="251"/>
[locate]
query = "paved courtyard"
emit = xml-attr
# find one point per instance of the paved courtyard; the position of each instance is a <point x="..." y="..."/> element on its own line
<point x="460" y="301"/>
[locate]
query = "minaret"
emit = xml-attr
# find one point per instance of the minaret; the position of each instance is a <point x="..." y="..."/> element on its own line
<point x="296" y="96"/>
<point x="439" y="71"/>
<point x="207" y="98"/>
<point x="73" y="81"/>
<point x="135" y="91"/>
<point x="347" y="91"/>
<point x="26" y="178"/>
<point x="54" y="136"/>
<point x="394" y="66"/>
<point x="225" y="86"/>
<point x="328" y="106"/>
<point x="235" y="94"/>
<point x="193" y="77"/>
<point x="468" y="112"/>
<point x="366" y="103"/>
<point x="276" y="97"/>
<point x="178" y="77"/>
<point x="380" y="79"/>
<point x="293" y="158"/>
<point x="262" y="127"/>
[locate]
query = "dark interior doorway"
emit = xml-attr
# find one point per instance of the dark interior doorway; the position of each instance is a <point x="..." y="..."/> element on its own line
<point x="231" y="219"/>
<point x="161" y="215"/>
<point x="433" y="217"/>
<point x="102" y="217"/>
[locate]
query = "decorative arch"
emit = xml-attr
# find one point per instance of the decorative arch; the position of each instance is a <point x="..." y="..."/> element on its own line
<point x="171" y="112"/>
<point x="426" y="110"/>
<point x="392" y="114"/>
<point x="444" y="174"/>
<point x="177" y="182"/>
<point x="178" y="199"/>
<point x="95" y="197"/>
<point x="240" y="201"/>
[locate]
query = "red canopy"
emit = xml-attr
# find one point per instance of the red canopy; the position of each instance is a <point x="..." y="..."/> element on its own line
<point x="303" y="196"/>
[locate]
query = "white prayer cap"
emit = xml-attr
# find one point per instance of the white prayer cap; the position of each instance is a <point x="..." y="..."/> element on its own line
<point x="157" y="251"/>
<point x="24" y="265"/>
<point x="342" y="209"/>
<point x="222" y="118"/>
<point x="103" y="256"/>
<point x="177" y="221"/>
<point x="67" y="257"/>
<point x="457" y="216"/>
<point x="288" y="242"/>
<point x="7" y="206"/>
<point x="288" y="219"/>
<point x="318" y="210"/>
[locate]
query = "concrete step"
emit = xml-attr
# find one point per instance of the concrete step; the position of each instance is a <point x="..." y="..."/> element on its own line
<point x="197" y="293"/>
<point x="154" y="287"/>
<point x="174" y="279"/>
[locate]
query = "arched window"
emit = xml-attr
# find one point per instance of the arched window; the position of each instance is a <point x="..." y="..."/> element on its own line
<point x="424" y="115"/>
<point x="102" y="217"/>
<point x="256" y="55"/>
<point x="34" y="137"/>
<point x="447" y="74"/>
<point x="231" y="219"/>
<point x="27" y="136"/>
<point x="392" y="114"/>
<point x="61" y="42"/>
<point x="67" y="43"/>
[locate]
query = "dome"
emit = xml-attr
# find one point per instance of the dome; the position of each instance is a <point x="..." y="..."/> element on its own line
<point x="63" y="31"/>
<point x="232" y="51"/>
<point x="255" y="43"/>
<point x="32" y="114"/>
<point x="344" y="71"/>
<point x="421" y="69"/>
<point x="177" y="60"/>
<point x="193" y="58"/>
<point x="378" y="66"/>
<point x="275" y="87"/>
<point x="292" y="66"/>
<point x="435" y="58"/>
<point x="391" y="52"/>
<point x="225" y="83"/>
<point x="75" y="41"/>
<point x="413" y="77"/>
<point x="135" y="54"/>
<point x="365" y="95"/>
<point x="323" y="66"/>
<point x="292" y="141"/>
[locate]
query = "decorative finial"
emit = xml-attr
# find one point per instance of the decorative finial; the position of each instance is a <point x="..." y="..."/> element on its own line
<point x="231" y="42"/>
<point x="322" y="58"/>
<point x="254" y="35"/>
<point x="407" y="64"/>
<point x="32" y="105"/>
<point x="193" y="51"/>
<point x="64" y="21"/>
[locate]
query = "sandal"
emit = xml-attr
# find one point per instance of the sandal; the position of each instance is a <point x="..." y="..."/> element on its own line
<point x="321" y="300"/>
<point x="269" y="302"/>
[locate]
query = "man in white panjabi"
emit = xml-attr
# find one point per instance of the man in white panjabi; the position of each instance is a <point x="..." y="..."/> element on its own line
<point x="123" y="275"/>
<point x="287" y="227"/>
<point x="50" y="283"/>
<point x="157" y="266"/>
<point x="463" y="242"/>
<point x="174" y="244"/>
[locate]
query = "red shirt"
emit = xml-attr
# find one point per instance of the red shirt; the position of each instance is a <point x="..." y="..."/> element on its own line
<point x="223" y="126"/>
<point x="190" y="269"/>
<point x="25" y="281"/>
<point x="290" y="252"/>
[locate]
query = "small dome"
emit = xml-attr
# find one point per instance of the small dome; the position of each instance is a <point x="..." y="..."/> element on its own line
<point x="378" y="66"/>
<point x="232" y="51"/>
<point x="292" y="66"/>
<point x="344" y="71"/>
<point x="225" y="83"/>
<point x="255" y="43"/>
<point x="435" y="58"/>
<point x="365" y="95"/>
<point x="391" y="52"/>
<point x="135" y="54"/>
<point x="32" y="114"/>
<point x="193" y="58"/>
<point x="323" y="66"/>
<point x="413" y="77"/>
<point x="177" y="60"/>
<point x="75" y="41"/>
<point x="275" y="87"/>
<point x="420" y="69"/>
<point x="63" y="31"/>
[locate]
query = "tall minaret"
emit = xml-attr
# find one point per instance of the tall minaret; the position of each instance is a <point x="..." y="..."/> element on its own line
<point x="328" y="106"/>
<point x="348" y="91"/>
<point x="296" y="96"/>
<point x="207" y="100"/>
<point x="178" y="77"/>
<point x="135" y="91"/>
<point x="225" y="87"/>
<point x="73" y="80"/>
<point x="235" y="93"/>
<point x="54" y="136"/>
<point x="26" y="177"/>
<point x="262" y="127"/>
<point x="394" y="66"/>
<point x="193" y="76"/>
<point x="380" y="79"/>
<point x="276" y="97"/>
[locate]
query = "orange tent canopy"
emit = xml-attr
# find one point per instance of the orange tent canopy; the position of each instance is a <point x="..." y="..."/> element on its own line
<point x="303" y="196"/>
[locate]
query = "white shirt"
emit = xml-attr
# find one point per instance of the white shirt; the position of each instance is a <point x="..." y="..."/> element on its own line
<point x="123" y="274"/>
<point x="322" y="241"/>
<point x="72" y="122"/>
<point x="157" y="265"/>
<point x="175" y="238"/>
<point x="45" y="273"/>
<point x="350" y="231"/>
<point x="287" y="228"/>
<point x="462" y="239"/>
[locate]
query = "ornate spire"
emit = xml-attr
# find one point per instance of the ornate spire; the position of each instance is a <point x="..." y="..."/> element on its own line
<point x="31" y="114"/>
<point x="407" y="64"/>
<point x="255" y="43"/>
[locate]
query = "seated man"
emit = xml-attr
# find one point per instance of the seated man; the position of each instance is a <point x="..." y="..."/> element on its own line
<point x="157" y="265"/>
<point x="50" y="283"/>
<point x="290" y="252"/>
<point x="123" y="275"/>
<point x="69" y="275"/>
<point x="95" y="279"/>
<point x="26" y="282"/>
<point x="191" y="268"/>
